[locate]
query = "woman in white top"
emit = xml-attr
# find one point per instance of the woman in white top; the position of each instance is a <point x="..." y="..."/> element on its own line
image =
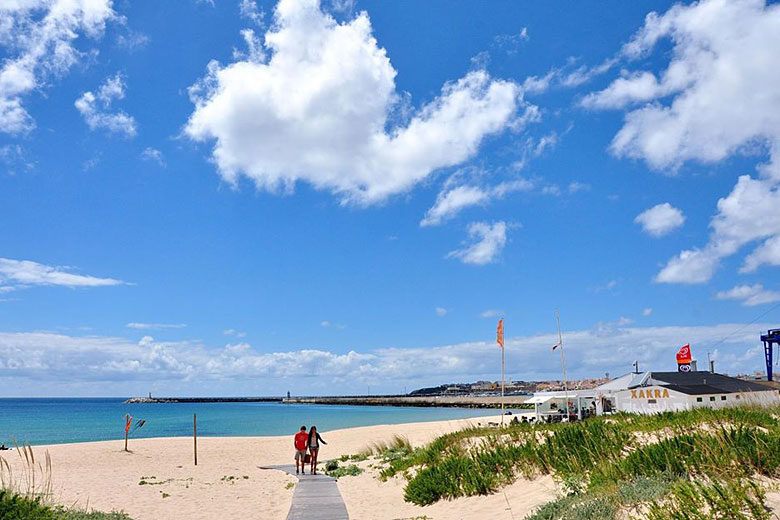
<point x="314" y="447"/>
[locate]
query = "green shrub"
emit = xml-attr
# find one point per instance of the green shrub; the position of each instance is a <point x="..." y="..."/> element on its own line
<point x="345" y="471"/>
<point x="17" y="507"/>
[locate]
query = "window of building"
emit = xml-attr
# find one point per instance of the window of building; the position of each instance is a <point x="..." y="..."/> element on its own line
<point x="698" y="399"/>
<point x="723" y="398"/>
<point x="737" y="396"/>
<point x="712" y="398"/>
<point x="651" y="401"/>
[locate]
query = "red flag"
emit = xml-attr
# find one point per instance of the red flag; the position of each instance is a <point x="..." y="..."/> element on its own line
<point x="684" y="355"/>
<point x="129" y="423"/>
<point x="500" y="333"/>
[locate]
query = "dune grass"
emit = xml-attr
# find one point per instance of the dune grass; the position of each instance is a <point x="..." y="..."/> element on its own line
<point x="28" y="494"/>
<point x="18" y="507"/>
<point x="663" y="463"/>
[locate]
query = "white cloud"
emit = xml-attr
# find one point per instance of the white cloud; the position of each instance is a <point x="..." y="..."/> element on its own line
<point x="488" y="240"/>
<point x="716" y="98"/>
<point x="647" y="312"/>
<point x="720" y="79"/>
<point x="747" y="214"/>
<point x="767" y="253"/>
<point x="660" y="220"/>
<point x="38" y="37"/>
<point x="343" y="6"/>
<point x="92" y="163"/>
<point x="155" y="326"/>
<point x="254" y="48"/>
<point x="304" y="114"/>
<point x="15" y="159"/>
<point x="510" y="43"/>
<point x="576" y="187"/>
<point x="583" y="74"/>
<point x="23" y="273"/>
<point x="452" y="201"/>
<point x="234" y="332"/>
<point x="328" y="324"/>
<point x="95" y="108"/>
<point x="132" y="41"/>
<point x="441" y="311"/>
<point x="250" y="10"/>
<point x="689" y="267"/>
<point x="38" y="358"/>
<point x="491" y="313"/>
<point x="610" y="285"/>
<point x="750" y="295"/>
<point x="152" y="154"/>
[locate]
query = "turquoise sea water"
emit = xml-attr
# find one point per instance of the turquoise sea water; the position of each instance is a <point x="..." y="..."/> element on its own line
<point x="55" y="421"/>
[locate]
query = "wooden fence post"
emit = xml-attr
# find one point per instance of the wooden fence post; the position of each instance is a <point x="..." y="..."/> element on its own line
<point x="195" y="435"/>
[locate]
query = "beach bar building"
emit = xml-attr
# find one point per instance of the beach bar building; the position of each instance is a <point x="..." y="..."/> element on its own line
<point x="655" y="392"/>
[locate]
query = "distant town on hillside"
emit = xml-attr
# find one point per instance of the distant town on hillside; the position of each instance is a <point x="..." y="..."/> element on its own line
<point x="528" y="387"/>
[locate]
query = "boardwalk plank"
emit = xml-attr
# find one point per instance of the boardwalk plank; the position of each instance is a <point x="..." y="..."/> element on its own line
<point x="316" y="496"/>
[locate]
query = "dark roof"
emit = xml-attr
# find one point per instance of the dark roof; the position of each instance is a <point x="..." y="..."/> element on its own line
<point x="698" y="383"/>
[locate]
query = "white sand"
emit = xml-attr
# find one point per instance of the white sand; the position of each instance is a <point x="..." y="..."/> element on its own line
<point x="99" y="475"/>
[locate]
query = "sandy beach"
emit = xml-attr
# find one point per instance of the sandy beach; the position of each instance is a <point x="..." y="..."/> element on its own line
<point x="158" y="479"/>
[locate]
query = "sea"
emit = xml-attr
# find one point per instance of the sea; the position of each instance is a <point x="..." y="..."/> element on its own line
<point x="57" y="421"/>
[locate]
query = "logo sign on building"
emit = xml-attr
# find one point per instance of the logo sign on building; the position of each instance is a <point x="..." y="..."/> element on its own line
<point x="684" y="358"/>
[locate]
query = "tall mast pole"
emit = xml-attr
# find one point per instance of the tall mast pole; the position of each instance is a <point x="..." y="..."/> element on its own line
<point x="563" y="361"/>
<point x="503" y="347"/>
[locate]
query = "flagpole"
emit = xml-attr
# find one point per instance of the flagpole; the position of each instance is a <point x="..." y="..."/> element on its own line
<point x="503" y="346"/>
<point x="563" y="361"/>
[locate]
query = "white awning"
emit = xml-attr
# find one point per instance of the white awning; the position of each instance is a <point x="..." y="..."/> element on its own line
<point x="539" y="399"/>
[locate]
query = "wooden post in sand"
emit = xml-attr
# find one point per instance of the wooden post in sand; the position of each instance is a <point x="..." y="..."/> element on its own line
<point x="195" y="435"/>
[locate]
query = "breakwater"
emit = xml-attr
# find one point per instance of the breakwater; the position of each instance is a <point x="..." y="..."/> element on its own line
<point x="365" y="400"/>
<point x="158" y="400"/>
<point x="432" y="401"/>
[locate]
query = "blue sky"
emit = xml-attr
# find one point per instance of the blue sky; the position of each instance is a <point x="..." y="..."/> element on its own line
<point x="235" y="197"/>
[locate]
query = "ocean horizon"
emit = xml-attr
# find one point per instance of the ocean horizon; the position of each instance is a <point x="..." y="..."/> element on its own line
<point x="40" y="421"/>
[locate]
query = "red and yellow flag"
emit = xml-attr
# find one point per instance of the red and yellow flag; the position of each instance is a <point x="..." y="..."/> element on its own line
<point x="500" y="333"/>
<point x="684" y="355"/>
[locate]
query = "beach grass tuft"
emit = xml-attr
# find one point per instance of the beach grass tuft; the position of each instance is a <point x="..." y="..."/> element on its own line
<point x="14" y="506"/>
<point x="333" y="469"/>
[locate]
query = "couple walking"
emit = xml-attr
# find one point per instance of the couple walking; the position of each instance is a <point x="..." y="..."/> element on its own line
<point x="310" y="441"/>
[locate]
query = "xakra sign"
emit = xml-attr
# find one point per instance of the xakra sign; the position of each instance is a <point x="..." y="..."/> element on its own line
<point x="649" y="394"/>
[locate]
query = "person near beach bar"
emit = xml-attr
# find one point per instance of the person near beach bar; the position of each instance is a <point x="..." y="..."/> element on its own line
<point x="314" y="447"/>
<point x="301" y="441"/>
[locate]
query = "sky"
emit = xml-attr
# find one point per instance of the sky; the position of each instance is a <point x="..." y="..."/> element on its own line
<point x="239" y="197"/>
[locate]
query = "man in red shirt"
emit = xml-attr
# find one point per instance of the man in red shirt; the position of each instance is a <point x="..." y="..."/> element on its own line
<point x="301" y="439"/>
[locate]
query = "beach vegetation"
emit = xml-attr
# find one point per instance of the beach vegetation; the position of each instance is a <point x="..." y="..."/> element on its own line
<point x="398" y="444"/>
<point x="33" y="479"/>
<point x="333" y="469"/>
<point x="14" y="506"/>
<point x="357" y="457"/>
<point x="662" y="466"/>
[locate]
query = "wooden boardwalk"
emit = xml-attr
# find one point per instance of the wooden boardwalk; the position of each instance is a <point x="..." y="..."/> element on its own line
<point x="316" y="496"/>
